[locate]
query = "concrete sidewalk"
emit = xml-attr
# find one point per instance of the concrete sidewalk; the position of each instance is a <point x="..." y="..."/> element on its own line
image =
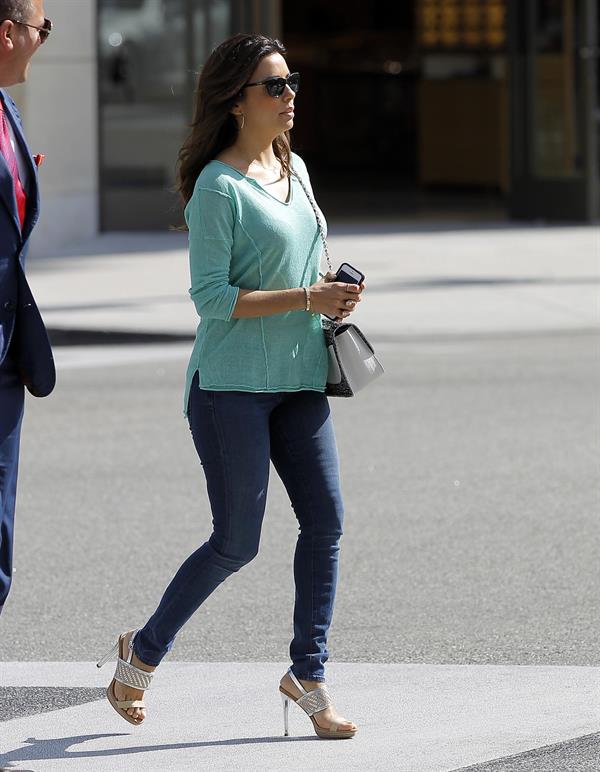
<point x="436" y="281"/>
<point x="412" y="718"/>
<point x="422" y="283"/>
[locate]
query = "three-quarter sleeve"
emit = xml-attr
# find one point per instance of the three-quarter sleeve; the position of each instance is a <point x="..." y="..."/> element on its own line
<point x="210" y="217"/>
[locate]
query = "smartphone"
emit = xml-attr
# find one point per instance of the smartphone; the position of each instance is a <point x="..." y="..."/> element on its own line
<point x="349" y="274"/>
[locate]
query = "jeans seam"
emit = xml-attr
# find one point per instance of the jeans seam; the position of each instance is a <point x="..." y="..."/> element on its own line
<point x="312" y="557"/>
<point x="225" y="466"/>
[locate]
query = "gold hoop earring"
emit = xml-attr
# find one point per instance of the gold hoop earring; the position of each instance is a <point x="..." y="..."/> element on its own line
<point x="243" y="121"/>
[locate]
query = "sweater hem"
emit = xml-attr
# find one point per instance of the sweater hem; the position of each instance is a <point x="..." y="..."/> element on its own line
<point x="265" y="390"/>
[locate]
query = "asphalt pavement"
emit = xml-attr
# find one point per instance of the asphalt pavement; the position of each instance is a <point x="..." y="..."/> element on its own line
<point x="464" y="635"/>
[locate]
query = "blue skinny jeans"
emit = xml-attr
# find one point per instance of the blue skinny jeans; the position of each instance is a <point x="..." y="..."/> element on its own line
<point x="236" y="434"/>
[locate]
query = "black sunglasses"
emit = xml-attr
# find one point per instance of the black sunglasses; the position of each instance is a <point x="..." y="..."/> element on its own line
<point x="43" y="32"/>
<point x="276" y="86"/>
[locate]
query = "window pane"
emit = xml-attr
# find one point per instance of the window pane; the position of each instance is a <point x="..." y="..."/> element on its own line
<point x="555" y="136"/>
<point x="150" y="52"/>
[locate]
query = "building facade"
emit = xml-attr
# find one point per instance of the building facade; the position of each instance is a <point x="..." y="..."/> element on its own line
<point x="427" y="100"/>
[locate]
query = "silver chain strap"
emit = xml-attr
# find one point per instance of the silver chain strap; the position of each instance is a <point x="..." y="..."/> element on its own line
<point x="319" y="223"/>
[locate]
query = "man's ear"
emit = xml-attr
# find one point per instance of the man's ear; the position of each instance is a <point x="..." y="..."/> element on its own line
<point x="6" y="31"/>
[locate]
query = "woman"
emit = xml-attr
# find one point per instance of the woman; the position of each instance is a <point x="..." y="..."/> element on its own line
<point x="259" y="363"/>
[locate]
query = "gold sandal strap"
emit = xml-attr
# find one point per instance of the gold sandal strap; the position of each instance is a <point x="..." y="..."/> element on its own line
<point x="131" y="704"/>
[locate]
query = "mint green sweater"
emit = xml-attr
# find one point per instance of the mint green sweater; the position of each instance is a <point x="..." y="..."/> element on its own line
<point x="242" y="237"/>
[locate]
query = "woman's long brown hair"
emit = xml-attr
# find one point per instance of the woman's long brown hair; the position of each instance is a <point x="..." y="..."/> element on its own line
<point x="214" y="127"/>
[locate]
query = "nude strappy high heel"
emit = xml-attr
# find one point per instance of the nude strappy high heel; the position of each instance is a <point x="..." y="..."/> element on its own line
<point x="311" y="702"/>
<point x="126" y="674"/>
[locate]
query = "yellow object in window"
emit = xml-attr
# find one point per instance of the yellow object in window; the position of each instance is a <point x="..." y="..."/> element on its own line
<point x="473" y="38"/>
<point x="450" y="38"/>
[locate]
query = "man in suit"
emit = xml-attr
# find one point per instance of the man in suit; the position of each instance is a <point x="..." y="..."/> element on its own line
<point x="25" y="354"/>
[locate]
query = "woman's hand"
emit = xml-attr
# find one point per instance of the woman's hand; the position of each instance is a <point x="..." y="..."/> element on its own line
<point x="334" y="298"/>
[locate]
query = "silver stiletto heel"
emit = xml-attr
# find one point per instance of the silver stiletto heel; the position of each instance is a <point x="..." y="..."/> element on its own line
<point x="109" y="655"/>
<point x="312" y="702"/>
<point x="286" y="712"/>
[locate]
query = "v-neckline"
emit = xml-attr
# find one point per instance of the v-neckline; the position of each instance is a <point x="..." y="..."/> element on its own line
<point x="287" y="201"/>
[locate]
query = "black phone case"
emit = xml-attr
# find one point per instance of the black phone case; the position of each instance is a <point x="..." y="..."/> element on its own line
<point x="349" y="279"/>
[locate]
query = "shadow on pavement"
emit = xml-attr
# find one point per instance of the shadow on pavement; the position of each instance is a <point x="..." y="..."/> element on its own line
<point x="115" y="305"/>
<point x="578" y="754"/>
<point x="450" y="282"/>
<point x="19" y="701"/>
<point x="56" y="748"/>
<point x="81" y="337"/>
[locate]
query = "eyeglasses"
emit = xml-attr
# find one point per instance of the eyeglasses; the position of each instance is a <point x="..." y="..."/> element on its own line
<point x="43" y="32"/>
<point x="276" y="86"/>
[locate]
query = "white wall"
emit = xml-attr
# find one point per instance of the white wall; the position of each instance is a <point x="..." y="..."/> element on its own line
<point x="59" y="107"/>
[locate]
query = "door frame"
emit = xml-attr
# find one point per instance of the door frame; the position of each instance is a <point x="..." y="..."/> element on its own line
<point x="533" y="197"/>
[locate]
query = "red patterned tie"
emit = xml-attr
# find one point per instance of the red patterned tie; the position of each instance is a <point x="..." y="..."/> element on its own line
<point x="9" y="154"/>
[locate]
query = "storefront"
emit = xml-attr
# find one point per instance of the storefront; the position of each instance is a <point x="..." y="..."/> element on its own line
<point x="493" y="100"/>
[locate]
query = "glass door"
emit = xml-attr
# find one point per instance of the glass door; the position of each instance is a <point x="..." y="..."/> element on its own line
<point x="150" y="52"/>
<point x="554" y="118"/>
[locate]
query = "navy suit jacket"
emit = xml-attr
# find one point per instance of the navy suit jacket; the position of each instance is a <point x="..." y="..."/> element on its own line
<point x="21" y="326"/>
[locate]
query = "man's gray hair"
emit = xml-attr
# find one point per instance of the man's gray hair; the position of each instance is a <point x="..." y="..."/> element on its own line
<point x="16" y="10"/>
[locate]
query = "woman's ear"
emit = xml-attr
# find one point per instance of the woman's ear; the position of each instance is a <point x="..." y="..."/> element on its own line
<point x="237" y="109"/>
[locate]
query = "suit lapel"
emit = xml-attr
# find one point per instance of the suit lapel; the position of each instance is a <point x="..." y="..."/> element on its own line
<point x="30" y="184"/>
<point x="7" y="188"/>
<point x="7" y="193"/>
